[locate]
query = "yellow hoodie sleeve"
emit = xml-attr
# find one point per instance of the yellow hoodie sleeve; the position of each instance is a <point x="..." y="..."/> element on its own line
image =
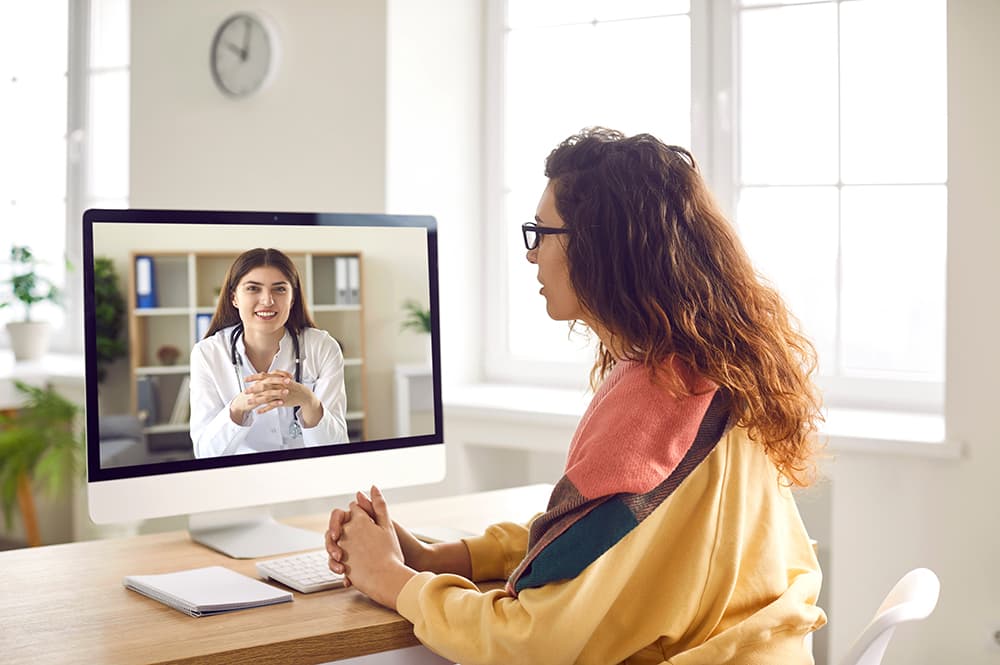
<point x="497" y="552"/>
<point x="721" y="572"/>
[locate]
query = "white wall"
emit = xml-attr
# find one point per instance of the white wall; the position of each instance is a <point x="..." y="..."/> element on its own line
<point x="434" y="162"/>
<point x="313" y="139"/>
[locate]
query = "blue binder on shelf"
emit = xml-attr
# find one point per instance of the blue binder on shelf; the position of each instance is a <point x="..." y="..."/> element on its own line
<point x="145" y="282"/>
<point x="202" y="323"/>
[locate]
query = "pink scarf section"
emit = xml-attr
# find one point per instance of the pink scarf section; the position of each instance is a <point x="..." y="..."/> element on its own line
<point x="634" y="433"/>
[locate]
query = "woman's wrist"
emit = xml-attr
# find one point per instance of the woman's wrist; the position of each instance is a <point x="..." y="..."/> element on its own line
<point x="454" y="557"/>
<point x="446" y="557"/>
<point x="392" y="584"/>
<point x="421" y="557"/>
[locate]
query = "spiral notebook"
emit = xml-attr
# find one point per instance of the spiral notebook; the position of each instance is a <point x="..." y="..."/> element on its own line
<point x="205" y="591"/>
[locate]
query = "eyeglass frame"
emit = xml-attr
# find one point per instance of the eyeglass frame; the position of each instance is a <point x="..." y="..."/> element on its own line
<point x="540" y="231"/>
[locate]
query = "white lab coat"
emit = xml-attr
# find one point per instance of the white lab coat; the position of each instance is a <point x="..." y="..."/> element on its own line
<point x="214" y="384"/>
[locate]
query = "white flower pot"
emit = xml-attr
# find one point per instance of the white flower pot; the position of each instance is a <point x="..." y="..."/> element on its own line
<point x="29" y="340"/>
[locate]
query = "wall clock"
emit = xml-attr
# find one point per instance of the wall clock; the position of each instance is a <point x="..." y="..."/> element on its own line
<point x="243" y="54"/>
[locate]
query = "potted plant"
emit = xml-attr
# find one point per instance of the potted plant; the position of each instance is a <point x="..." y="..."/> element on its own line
<point x="418" y="319"/>
<point x="28" y="339"/>
<point x="109" y="315"/>
<point x="38" y="442"/>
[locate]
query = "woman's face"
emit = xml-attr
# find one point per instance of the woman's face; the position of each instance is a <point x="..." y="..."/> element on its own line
<point x="561" y="302"/>
<point x="264" y="300"/>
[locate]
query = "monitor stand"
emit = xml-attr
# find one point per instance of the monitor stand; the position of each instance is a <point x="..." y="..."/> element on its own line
<point x="250" y="533"/>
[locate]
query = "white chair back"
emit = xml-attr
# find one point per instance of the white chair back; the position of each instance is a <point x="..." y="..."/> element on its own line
<point x="913" y="598"/>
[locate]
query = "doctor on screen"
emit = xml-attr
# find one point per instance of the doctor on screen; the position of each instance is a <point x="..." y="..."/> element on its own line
<point x="264" y="377"/>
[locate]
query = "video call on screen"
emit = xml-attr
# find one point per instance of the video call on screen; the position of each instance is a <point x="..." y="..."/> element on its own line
<point x="356" y="283"/>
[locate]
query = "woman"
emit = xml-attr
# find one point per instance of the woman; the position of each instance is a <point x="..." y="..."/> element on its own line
<point x="673" y="536"/>
<point x="264" y="377"/>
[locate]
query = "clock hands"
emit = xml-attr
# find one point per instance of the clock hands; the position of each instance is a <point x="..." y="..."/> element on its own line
<point x="246" y="37"/>
<point x="237" y="50"/>
<point x="243" y="51"/>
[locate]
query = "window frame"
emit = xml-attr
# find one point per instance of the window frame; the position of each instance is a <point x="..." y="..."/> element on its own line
<point x="77" y="120"/>
<point x="715" y="130"/>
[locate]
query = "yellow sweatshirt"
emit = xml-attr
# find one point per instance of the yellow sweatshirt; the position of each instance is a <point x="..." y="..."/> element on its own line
<point x="721" y="572"/>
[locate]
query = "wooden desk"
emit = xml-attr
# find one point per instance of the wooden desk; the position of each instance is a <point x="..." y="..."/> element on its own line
<point x="66" y="603"/>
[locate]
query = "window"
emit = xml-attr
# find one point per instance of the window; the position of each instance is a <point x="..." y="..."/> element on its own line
<point x="33" y="94"/>
<point x="107" y="159"/>
<point x="841" y="197"/>
<point x="567" y="65"/>
<point x="825" y="139"/>
<point x="64" y="88"/>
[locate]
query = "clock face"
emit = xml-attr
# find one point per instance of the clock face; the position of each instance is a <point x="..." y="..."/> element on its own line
<point x="241" y="55"/>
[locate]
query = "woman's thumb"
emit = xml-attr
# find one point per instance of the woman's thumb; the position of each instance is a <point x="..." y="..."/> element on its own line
<point x="381" y="508"/>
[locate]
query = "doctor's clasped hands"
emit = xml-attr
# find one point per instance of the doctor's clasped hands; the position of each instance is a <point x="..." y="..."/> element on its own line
<point x="266" y="391"/>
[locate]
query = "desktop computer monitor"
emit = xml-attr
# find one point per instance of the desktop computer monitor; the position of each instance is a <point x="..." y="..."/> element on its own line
<point x="170" y="288"/>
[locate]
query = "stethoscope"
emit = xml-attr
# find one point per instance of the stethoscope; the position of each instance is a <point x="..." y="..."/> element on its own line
<point x="294" y="430"/>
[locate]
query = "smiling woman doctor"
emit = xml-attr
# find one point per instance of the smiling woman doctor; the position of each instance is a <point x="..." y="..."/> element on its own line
<point x="264" y="377"/>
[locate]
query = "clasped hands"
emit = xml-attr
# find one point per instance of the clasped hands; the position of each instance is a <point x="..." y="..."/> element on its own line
<point x="372" y="552"/>
<point x="269" y="390"/>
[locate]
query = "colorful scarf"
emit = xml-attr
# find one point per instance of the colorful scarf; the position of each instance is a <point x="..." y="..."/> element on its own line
<point x="634" y="446"/>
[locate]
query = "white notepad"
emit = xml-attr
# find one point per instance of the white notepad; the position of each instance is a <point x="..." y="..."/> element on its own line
<point x="205" y="591"/>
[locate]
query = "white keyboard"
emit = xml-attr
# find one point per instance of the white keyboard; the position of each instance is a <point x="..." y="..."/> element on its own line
<point x="305" y="572"/>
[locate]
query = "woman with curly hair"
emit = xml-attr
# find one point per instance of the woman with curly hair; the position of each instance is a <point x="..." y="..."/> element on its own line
<point x="673" y="535"/>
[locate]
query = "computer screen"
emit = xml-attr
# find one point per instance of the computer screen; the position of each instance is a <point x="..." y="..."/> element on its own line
<point x="262" y="357"/>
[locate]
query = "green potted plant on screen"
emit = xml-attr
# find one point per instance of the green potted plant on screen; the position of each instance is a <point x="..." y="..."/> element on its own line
<point x="38" y="443"/>
<point x="417" y="318"/>
<point x="109" y="315"/>
<point x="29" y="339"/>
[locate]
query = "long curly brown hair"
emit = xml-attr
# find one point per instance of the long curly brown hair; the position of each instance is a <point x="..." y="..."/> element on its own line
<point x="663" y="276"/>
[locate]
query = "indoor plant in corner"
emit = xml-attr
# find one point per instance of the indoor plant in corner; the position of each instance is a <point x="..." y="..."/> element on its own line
<point x="418" y="319"/>
<point x="109" y="316"/>
<point x="28" y="339"/>
<point x="38" y="442"/>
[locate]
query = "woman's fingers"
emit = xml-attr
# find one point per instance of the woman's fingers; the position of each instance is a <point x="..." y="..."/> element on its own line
<point x="381" y="508"/>
<point x="365" y="504"/>
<point x="335" y="529"/>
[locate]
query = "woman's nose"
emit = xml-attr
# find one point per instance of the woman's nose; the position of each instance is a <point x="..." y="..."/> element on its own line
<point x="266" y="298"/>
<point x="532" y="255"/>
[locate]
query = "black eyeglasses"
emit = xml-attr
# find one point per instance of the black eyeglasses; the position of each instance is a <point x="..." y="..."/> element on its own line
<point x="533" y="233"/>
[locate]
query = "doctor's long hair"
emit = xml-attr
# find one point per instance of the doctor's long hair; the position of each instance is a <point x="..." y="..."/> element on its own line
<point x="657" y="266"/>
<point x="226" y="313"/>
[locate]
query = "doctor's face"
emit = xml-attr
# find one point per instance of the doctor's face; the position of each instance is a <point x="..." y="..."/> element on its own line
<point x="264" y="299"/>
